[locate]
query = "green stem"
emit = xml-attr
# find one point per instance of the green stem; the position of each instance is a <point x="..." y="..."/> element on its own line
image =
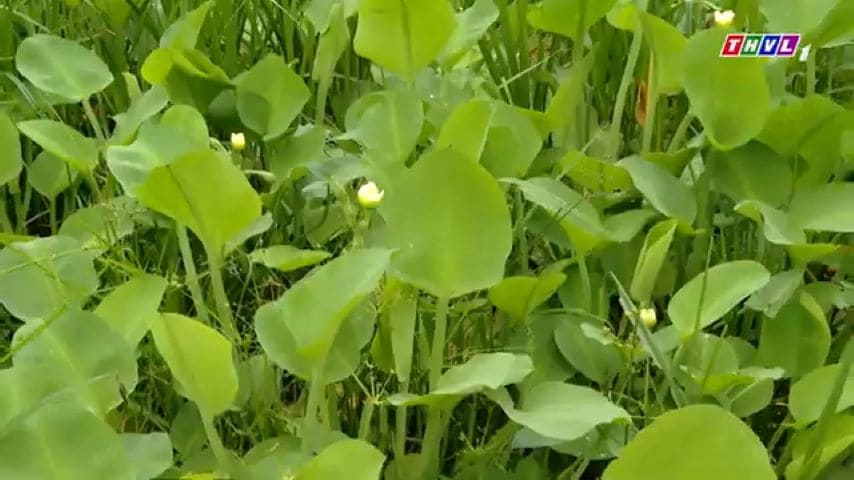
<point x="365" y="420"/>
<point x="829" y="410"/>
<point x="437" y="352"/>
<point x="435" y="430"/>
<point x="223" y="459"/>
<point x="191" y="275"/>
<point x="93" y="120"/>
<point x="222" y="306"/>
<point x="811" y="73"/>
<point x="681" y="131"/>
<point x="652" y="99"/>
<point x="5" y="223"/>
<point x="311" y="421"/>
<point x="622" y="94"/>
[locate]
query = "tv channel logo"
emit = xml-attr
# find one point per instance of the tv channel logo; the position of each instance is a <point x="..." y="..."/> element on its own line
<point x="761" y="45"/>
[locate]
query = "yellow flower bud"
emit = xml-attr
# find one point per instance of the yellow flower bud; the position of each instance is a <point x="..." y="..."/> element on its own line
<point x="724" y="18"/>
<point x="238" y="141"/>
<point x="647" y="316"/>
<point x="369" y="195"/>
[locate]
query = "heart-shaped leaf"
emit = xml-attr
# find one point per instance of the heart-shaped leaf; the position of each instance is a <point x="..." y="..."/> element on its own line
<point x="62" y="67"/>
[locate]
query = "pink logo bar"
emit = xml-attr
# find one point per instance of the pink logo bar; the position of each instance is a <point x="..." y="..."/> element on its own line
<point x="789" y="45"/>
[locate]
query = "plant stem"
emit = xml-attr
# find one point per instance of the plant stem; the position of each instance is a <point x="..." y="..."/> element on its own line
<point x="226" y="320"/>
<point x="829" y="410"/>
<point x="190" y="271"/>
<point x="223" y="459"/>
<point x="93" y="120"/>
<point x="435" y="431"/>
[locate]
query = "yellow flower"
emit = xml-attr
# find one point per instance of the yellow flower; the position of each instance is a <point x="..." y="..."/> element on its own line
<point x="369" y="195"/>
<point x="647" y="316"/>
<point x="238" y="141"/>
<point x="724" y="18"/>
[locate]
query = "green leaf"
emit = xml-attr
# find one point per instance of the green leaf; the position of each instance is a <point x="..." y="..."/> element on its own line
<point x="62" y="67"/>
<point x="319" y="12"/>
<point x="449" y="221"/>
<point x="333" y="43"/>
<point x="270" y="96"/>
<point x="512" y="142"/>
<point x="752" y="172"/>
<point x="466" y="128"/>
<point x="102" y="225"/>
<point x="595" y="360"/>
<point x="472" y="24"/>
<point x="149" y="104"/>
<point x="291" y="156"/>
<point x="560" y="410"/>
<point x="49" y="175"/>
<point x="519" y="296"/>
<point x="731" y="99"/>
<point x="286" y="258"/>
<point x="797" y="339"/>
<point x="595" y="174"/>
<point x="701" y="442"/>
<point x="127" y="308"/>
<point x="835" y="214"/>
<point x="184" y="33"/>
<point x="297" y="324"/>
<point x="565" y="16"/>
<point x="776" y="293"/>
<point x="667" y="44"/>
<point x="665" y="192"/>
<point x="150" y="454"/>
<point x="795" y="16"/>
<point x="206" y="192"/>
<point x="726" y="285"/>
<point x="562" y="111"/>
<point x="200" y="359"/>
<point x="10" y="150"/>
<point x="386" y="122"/>
<point x="189" y="76"/>
<point x="354" y="459"/>
<point x="63" y="142"/>
<point x="651" y="259"/>
<point x="61" y="441"/>
<point x="835" y="442"/>
<point x="482" y="372"/>
<point x="403" y="36"/>
<point x="40" y="276"/>
<point x="834" y="29"/>
<point x="778" y="227"/>
<point x="810" y="394"/>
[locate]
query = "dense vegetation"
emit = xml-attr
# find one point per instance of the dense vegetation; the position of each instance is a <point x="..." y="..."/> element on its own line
<point x="421" y="239"/>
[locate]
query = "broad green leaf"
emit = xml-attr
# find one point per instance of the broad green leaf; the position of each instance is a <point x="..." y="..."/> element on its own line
<point x="595" y="174"/>
<point x="291" y="156"/>
<point x="752" y="398"/>
<point x="472" y="24"/>
<point x="651" y="259"/>
<point x="319" y="12"/>
<point x="10" y="150"/>
<point x="731" y="99"/>
<point x="40" y="276"/>
<point x="810" y="394"/>
<point x="206" y="192"/>
<point x="149" y="104"/>
<point x="49" y="175"/>
<point x="797" y="339"/>
<point x="387" y="123"/>
<point x="128" y="307"/>
<point x="150" y="454"/>
<point x="624" y="226"/>
<point x="825" y="208"/>
<point x="101" y="225"/>
<point x="333" y="43"/>
<point x="578" y="218"/>
<point x="118" y="12"/>
<point x="403" y="317"/>
<point x="466" y="129"/>
<point x="449" y="221"/>
<point x="403" y="36"/>
<point x="667" y="44"/>
<point x="482" y="372"/>
<point x="519" y="296"/>
<point x="286" y="258"/>
<point x="835" y="442"/>
<point x="565" y="16"/>
<point x="595" y="360"/>
<point x="355" y="459"/>
<point x="86" y="359"/>
<point x="795" y="16"/>
<point x="200" y="359"/>
<point x="188" y="76"/>
<point x="184" y="33"/>
<point x="666" y="193"/>
<point x="62" y="67"/>
<point x="776" y="293"/>
<point x="835" y="29"/>
<point x="563" y="109"/>
<point x="752" y="172"/>
<point x="560" y="410"/>
<point x="63" y="142"/>
<point x="701" y="442"/>
<point x="179" y="131"/>
<point x="778" y="227"/>
<point x="297" y="324"/>
<point x="62" y="441"/>
<point x="726" y="285"/>
<point x="512" y="143"/>
<point x="270" y="96"/>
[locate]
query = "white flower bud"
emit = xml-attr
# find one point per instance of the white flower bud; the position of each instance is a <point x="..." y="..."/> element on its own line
<point x="647" y="316"/>
<point x="369" y="195"/>
<point x="238" y="141"/>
